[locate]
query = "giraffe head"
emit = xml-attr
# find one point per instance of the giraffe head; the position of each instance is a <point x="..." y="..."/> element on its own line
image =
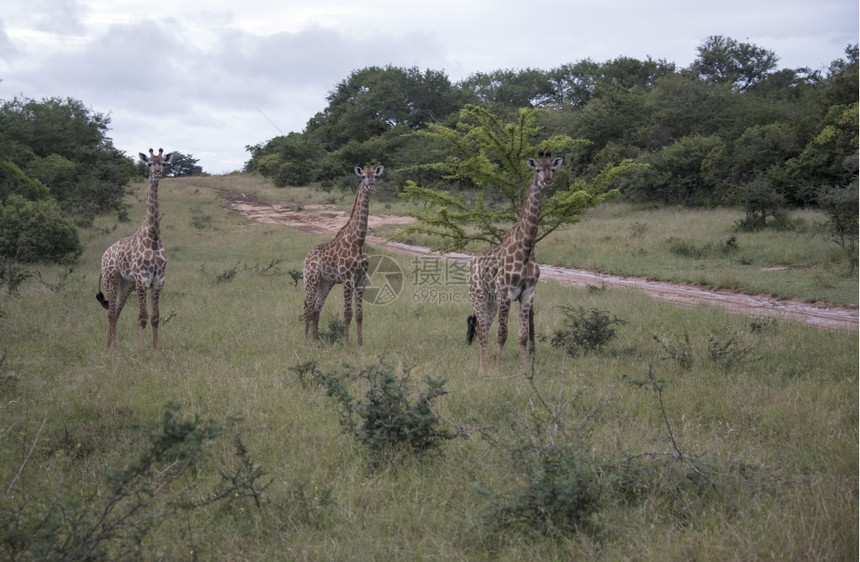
<point x="156" y="162"/>
<point x="544" y="168"/>
<point x="368" y="176"/>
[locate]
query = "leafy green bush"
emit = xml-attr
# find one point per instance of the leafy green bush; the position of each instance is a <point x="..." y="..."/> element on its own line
<point x="680" y="350"/>
<point x="729" y="353"/>
<point x="390" y="420"/>
<point x="36" y="231"/>
<point x="562" y="491"/>
<point x="585" y="330"/>
<point x="761" y="201"/>
<point x="561" y="484"/>
<point x="840" y="204"/>
<point x="292" y="174"/>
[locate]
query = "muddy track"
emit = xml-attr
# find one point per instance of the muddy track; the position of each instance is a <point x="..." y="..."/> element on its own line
<point x="327" y="219"/>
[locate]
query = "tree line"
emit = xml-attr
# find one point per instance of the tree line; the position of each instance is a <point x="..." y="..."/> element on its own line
<point x="730" y="128"/>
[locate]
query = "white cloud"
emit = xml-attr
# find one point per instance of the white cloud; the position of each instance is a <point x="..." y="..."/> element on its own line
<point x="206" y="78"/>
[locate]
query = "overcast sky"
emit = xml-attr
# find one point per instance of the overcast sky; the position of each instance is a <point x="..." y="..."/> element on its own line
<point x="208" y="78"/>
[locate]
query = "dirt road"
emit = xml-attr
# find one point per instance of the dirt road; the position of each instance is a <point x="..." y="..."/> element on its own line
<point x="327" y="219"/>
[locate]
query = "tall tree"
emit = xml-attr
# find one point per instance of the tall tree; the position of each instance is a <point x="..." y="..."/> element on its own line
<point x="373" y="100"/>
<point x="723" y="60"/>
<point x="524" y="88"/>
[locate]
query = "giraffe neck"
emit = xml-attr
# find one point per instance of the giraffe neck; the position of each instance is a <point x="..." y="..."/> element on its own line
<point x="524" y="232"/>
<point x="150" y="226"/>
<point x="355" y="230"/>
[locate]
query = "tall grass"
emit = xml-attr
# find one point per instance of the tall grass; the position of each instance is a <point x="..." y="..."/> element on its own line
<point x="766" y="408"/>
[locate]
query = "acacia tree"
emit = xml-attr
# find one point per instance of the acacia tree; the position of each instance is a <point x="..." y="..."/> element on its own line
<point x="183" y="165"/>
<point x="490" y="155"/>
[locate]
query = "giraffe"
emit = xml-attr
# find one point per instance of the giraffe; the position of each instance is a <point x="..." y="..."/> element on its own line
<point x="508" y="271"/>
<point x="341" y="260"/>
<point x="137" y="262"/>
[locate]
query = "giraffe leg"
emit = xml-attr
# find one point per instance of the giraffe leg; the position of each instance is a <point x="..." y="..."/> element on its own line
<point x="480" y="312"/>
<point x="360" y="283"/>
<point x="310" y="298"/>
<point x="532" y="330"/>
<point x="155" y="319"/>
<point x="348" y="289"/>
<point x="359" y="312"/>
<point x="485" y="315"/>
<point x="114" y="308"/>
<point x="502" y="333"/>
<point x="525" y="333"/>
<point x="483" y="335"/>
<point x="113" y="304"/>
<point x="312" y="312"/>
<point x="118" y="291"/>
<point x="142" y="314"/>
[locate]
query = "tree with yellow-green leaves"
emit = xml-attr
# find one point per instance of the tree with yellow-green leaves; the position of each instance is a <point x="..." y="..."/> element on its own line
<point x="490" y="155"/>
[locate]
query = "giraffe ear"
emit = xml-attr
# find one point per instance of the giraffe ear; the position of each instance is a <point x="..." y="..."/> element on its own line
<point x="358" y="171"/>
<point x="532" y="164"/>
<point x="557" y="161"/>
<point x="143" y="157"/>
<point x="378" y="171"/>
<point x="169" y="157"/>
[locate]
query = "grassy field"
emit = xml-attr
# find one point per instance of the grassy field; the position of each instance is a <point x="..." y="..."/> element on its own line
<point x="692" y="434"/>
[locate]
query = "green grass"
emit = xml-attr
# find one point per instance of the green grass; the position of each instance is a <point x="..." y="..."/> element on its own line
<point x="704" y="247"/>
<point x="776" y="428"/>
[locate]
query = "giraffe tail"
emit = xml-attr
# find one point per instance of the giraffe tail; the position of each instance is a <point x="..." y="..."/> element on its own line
<point x="100" y="296"/>
<point x="471" y="327"/>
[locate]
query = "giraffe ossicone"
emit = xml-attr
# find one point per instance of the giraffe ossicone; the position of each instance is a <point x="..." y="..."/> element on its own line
<point x="341" y="260"/>
<point x="137" y="262"/>
<point x="508" y="272"/>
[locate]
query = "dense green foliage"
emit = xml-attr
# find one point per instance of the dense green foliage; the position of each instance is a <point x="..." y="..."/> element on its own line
<point x="36" y="231"/>
<point x="57" y="167"/>
<point x="64" y="145"/>
<point x="729" y="124"/>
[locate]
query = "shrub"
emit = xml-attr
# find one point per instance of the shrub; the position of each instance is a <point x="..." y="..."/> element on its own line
<point x="14" y="182"/>
<point x="561" y="485"/>
<point x="729" y="353"/>
<point x="561" y="492"/>
<point x="292" y="174"/>
<point x="389" y="421"/>
<point x="112" y="522"/>
<point x="841" y="204"/>
<point x="680" y="350"/>
<point x="760" y="200"/>
<point x="585" y="330"/>
<point x="37" y="231"/>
